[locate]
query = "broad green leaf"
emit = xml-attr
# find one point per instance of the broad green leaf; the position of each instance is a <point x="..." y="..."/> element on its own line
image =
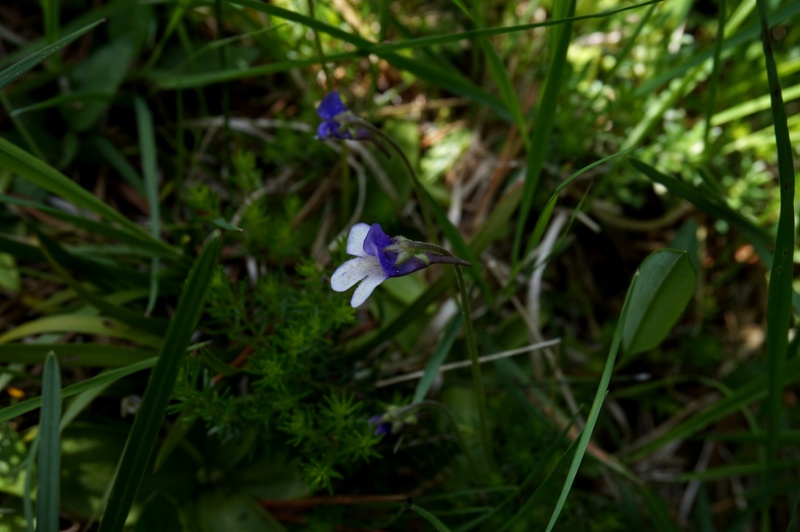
<point x="49" y="464"/>
<point x="143" y="435"/>
<point x="158" y="513"/>
<point x="665" y="284"/>
<point x="18" y="69"/>
<point x="222" y="510"/>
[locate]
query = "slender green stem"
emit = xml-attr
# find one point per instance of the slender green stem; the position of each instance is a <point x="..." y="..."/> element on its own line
<point x="472" y="349"/>
<point x="426" y="215"/>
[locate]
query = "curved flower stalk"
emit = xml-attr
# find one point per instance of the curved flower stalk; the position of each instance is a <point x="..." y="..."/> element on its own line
<point x="379" y="257"/>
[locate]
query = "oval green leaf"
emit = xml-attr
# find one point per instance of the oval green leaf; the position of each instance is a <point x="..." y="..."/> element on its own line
<point x="665" y="284"/>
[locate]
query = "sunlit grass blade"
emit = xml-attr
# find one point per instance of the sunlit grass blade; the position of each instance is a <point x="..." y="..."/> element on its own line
<point x="18" y="69"/>
<point x="433" y="74"/>
<point x="147" y="145"/>
<point x="594" y="413"/>
<point x="40" y="173"/>
<point x="142" y="438"/>
<point x="542" y="129"/>
<point x="779" y="303"/>
<point x="48" y="500"/>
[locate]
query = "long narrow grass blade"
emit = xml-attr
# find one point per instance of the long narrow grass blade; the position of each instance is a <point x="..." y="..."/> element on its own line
<point x="18" y="69"/>
<point x="712" y="89"/>
<point x="103" y="379"/>
<point x="779" y="303"/>
<point x="40" y="173"/>
<point x="52" y="251"/>
<point x="48" y="500"/>
<point x="142" y="438"/>
<point x="545" y="118"/>
<point x="74" y="355"/>
<point x="436" y="360"/>
<point x="147" y="145"/>
<point x="594" y="413"/>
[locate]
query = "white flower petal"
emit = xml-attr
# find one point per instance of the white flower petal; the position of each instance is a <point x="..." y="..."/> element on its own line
<point x="355" y="240"/>
<point x="366" y="287"/>
<point x="354" y="270"/>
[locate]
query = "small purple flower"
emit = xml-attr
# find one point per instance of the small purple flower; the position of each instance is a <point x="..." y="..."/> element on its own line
<point x="379" y="257"/>
<point x="337" y="121"/>
<point x="382" y="428"/>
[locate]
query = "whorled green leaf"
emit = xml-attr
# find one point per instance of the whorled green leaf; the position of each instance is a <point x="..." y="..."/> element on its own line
<point x="665" y="284"/>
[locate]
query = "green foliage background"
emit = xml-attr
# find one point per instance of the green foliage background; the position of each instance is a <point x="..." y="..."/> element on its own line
<point x="621" y="175"/>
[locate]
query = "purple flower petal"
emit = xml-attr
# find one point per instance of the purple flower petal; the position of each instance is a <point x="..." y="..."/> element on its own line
<point x="376" y="240"/>
<point x="331" y="106"/>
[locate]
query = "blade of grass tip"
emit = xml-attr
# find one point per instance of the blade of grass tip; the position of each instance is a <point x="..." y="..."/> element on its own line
<point x="547" y="212"/>
<point x="48" y="485"/>
<point x="779" y="302"/>
<point x="18" y="69"/>
<point x="542" y="130"/>
<point x="142" y="438"/>
<point x="147" y="145"/>
<point x="594" y="413"/>
<point x="712" y="89"/>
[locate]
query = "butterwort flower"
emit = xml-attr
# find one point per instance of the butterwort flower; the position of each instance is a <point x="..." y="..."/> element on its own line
<point x="395" y="420"/>
<point x="337" y="121"/>
<point x="379" y="257"/>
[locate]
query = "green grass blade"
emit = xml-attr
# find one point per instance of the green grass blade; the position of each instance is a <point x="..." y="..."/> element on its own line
<point x="74" y="355"/>
<point x="755" y="390"/>
<point x="712" y="89"/>
<point x="594" y="413"/>
<point x="18" y="69"/>
<point x="433" y="74"/>
<point x="429" y="517"/>
<point x="436" y="360"/>
<point x="76" y="323"/>
<point x="103" y="379"/>
<point x="545" y="118"/>
<point x="40" y="173"/>
<point x="53" y="252"/>
<point x="779" y="302"/>
<point x="147" y="145"/>
<point x="48" y="500"/>
<point x="142" y="438"/>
